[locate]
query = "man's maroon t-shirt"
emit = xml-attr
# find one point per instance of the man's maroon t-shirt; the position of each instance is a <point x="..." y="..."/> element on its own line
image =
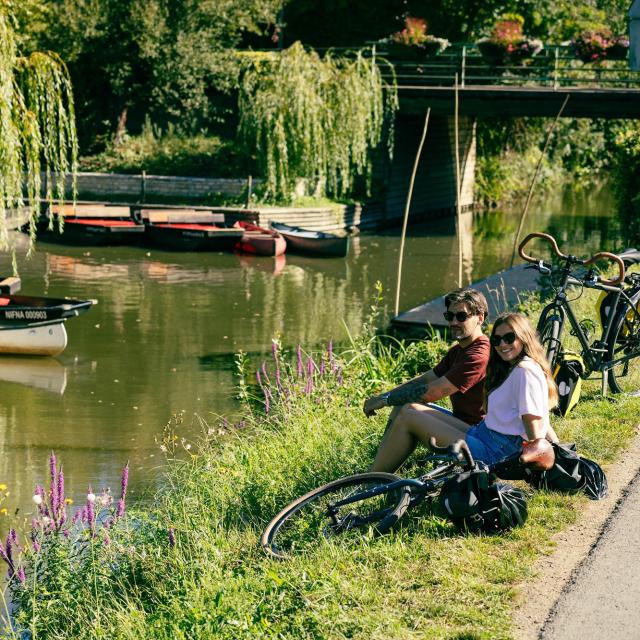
<point x="466" y="369"/>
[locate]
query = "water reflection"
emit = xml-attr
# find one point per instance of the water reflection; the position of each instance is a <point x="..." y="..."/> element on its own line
<point x="162" y="338"/>
<point x="40" y="373"/>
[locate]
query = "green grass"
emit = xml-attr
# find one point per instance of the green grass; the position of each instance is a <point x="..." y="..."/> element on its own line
<point x="423" y="580"/>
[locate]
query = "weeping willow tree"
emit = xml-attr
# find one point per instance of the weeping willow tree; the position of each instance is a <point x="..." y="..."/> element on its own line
<point x="315" y="118"/>
<point x="37" y="131"/>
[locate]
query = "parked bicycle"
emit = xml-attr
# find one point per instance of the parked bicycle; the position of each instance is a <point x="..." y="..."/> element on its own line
<point x="468" y="493"/>
<point x="613" y="354"/>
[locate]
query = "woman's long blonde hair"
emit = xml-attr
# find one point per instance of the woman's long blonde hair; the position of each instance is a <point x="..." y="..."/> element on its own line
<point x="498" y="369"/>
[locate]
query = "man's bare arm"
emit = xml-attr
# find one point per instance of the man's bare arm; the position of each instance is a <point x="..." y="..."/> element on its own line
<point x="424" y="388"/>
<point x="421" y="392"/>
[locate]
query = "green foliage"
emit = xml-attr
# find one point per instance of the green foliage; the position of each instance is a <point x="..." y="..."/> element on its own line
<point x="169" y="152"/>
<point x="171" y="59"/>
<point x="189" y="564"/>
<point x="626" y="181"/>
<point x="314" y="118"/>
<point x="37" y="127"/>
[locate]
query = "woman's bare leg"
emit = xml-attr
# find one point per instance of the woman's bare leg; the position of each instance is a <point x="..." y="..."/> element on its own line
<point x="415" y="423"/>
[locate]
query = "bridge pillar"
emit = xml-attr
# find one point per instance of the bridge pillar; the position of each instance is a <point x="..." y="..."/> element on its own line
<point x="434" y="191"/>
<point x="634" y="36"/>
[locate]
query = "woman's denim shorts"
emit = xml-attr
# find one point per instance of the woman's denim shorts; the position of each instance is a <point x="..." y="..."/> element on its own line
<point x="491" y="446"/>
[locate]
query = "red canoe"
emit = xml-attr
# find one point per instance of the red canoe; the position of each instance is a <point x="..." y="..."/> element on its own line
<point x="259" y="241"/>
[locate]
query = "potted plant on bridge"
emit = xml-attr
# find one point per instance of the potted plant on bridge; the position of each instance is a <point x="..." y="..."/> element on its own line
<point x="599" y="45"/>
<point x="507" y="45"/>
<point x="413" y="42"/>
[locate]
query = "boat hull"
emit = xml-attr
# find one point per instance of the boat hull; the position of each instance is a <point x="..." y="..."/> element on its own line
<point x="313" y="243"/>
<point x="37" y="340"/>
<point x="259" y="241"/>
<point x="192" y="237"/>
<point x="94" y="232"/>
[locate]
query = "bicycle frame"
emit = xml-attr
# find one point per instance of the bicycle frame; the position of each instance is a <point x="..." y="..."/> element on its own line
<point x="593" y="355"/>
<point x="423" y="485"/>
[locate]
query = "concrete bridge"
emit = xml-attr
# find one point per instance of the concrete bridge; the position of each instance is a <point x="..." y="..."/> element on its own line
<point x="539" y="88"/>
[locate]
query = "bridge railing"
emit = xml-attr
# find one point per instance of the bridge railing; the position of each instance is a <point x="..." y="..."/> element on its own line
<point x="555" y="66"/>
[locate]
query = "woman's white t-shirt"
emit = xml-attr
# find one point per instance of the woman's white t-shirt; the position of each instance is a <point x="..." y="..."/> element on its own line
<point x="524" y="391"/>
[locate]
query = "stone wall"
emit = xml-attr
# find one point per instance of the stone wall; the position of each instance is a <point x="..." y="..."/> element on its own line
<point x="138" y="188"/>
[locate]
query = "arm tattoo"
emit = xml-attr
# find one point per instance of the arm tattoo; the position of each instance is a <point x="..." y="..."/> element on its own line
<point x="413" y="393"/>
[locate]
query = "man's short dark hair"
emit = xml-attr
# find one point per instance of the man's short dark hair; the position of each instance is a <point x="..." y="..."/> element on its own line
<point x="474" y="300"/>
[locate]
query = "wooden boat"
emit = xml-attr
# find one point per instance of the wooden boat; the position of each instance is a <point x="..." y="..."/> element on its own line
<point x="91" y="225"/>
<point x="259" y="241"/>
<point x="188" y="231"/>
<point x="35" y="326"/>
<point x="316" y="243"/>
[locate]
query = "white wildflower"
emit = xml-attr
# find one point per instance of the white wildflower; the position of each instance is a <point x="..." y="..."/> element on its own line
<point x="37" y="498"/>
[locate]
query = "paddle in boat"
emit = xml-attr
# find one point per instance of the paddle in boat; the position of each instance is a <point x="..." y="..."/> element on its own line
<point x="90" y="225"/>
<point x="31" y="325"/>
<point x="312" y="243"/>
<point x="259" y="241"/>
<point x="188" y="230"/>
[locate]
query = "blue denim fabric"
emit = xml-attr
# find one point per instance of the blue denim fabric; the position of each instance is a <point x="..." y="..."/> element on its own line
<point x="490" y="446"/>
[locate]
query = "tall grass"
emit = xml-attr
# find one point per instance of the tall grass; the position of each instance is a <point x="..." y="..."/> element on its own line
<point x="190" y="565"/>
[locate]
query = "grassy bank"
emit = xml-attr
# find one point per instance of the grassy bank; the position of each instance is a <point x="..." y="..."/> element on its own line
<point x="190" y="565"/>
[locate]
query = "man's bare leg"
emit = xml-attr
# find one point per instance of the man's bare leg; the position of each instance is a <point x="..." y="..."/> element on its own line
<point x="412" y="424"/>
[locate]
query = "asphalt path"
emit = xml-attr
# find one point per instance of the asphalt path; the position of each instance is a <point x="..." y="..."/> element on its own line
<point x="603" y="598"/>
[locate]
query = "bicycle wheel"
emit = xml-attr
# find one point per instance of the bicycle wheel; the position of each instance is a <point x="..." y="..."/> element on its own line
<point x="549" y="329"/>
<point x="301" y="524"/>
<point x="624" y="341"/>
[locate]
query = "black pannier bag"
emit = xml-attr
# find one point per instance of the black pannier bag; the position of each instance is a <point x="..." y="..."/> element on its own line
<point x="568" y="374"/>
<point x="474" y="501"/>
<point x="571" y="473"/>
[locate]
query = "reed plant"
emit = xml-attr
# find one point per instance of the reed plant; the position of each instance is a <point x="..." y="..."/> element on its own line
<point x="189" y="564"/>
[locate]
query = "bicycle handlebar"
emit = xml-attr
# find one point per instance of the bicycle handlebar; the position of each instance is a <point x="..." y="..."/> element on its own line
<point x="459" y="449"/>
<point x="602" y="255"/>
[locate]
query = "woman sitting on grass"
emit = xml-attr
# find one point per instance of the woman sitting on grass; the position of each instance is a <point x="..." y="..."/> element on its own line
<point x="519" y="392"/>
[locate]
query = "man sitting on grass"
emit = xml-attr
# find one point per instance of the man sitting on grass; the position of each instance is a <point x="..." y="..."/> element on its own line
<point x="459" y="375"/>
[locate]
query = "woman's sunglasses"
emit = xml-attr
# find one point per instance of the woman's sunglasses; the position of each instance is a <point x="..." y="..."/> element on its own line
<point x="508" y="338"/>
<point x="460" y="316"/>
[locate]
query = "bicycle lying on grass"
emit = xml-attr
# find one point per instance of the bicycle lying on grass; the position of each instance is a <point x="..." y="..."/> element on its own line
<point x="613" y="355"/>
<point x="466" y="490"/>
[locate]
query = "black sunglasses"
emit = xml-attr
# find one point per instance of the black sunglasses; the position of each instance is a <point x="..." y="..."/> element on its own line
<point x="460" y="316"/>
<point x="509" y="338"/>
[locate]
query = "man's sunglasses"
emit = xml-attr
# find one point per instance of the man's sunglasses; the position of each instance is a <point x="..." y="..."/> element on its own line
<point x="508" y="338"/>
<point x="461" y="316"/>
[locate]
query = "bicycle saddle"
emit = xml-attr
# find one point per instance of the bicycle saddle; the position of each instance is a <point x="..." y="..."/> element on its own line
<point x="630" y="256"/>
<point x="537" y="454"/>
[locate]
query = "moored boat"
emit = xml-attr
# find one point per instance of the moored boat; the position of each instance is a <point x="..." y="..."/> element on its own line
<point x="188" y="231"/>
<point x="259" y="241"/>
<point x="316" y="243"/>
<point x="90" y="225"/>
<point x="31" y="325"/>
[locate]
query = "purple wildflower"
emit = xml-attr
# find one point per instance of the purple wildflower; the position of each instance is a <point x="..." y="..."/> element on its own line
<point x="120" y="511"/>
<point x="36" y="546"/>
<point x="264" y="373"/>
<point x="107" y="540"/>
<point x="53" y="486"/>
<point x="90" y="514"/>
<point x="76" y="516"/>
<point x="21" y="577"/>
<point x="60" y="493"/>
<point x="172" y="537"/>
<point x="322" y="367"/>
<point x="124" y="482"/>
<point x="65" y="533"/>
<point x="299" y="367"/>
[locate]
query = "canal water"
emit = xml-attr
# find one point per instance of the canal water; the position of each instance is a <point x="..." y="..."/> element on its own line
<point x="160" y="341"/>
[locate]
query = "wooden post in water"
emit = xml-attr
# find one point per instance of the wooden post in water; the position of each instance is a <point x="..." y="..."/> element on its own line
<point x="458" y="212"/>
<point x="249" y="190"/>
<point x="407" y="207"/>
<point x="533" y="181"/>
